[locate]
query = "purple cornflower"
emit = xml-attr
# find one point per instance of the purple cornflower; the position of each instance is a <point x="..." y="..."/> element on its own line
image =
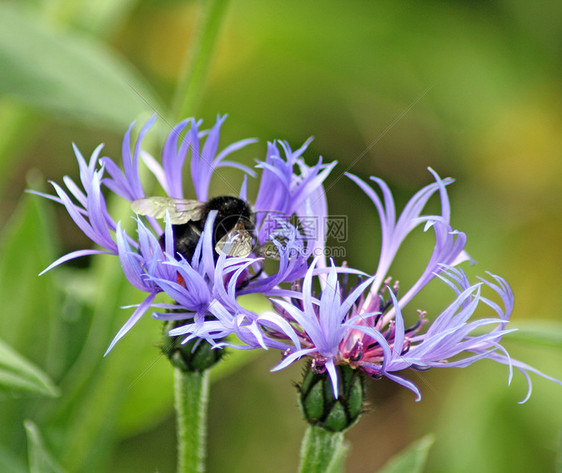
<point x="364" y="327"/>
<point x="288" y="186"/>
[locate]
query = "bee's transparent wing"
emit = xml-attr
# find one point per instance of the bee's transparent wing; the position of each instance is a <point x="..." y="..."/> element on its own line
<point x="179" y="210"/>
<point x="237" y="242"/>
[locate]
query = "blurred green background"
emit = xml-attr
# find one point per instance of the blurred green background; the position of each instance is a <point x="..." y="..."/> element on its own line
<point x="472" y="89"/>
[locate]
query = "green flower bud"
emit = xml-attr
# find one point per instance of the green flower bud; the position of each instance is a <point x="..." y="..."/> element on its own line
<point x="197" y="355"/>
<point x="317" y="400"/>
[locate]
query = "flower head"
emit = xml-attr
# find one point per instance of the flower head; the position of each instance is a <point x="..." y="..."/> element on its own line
<point x="151" y="259"/>
<point x="363" y="326"/>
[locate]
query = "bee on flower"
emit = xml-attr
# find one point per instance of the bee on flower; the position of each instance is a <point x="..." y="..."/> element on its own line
<point x="182" y="257"/>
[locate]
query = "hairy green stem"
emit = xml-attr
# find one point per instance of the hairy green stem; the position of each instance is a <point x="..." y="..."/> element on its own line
<point x="322" y="451"/>
<point x="191" y="399"/>
<point x="198" y="58"/>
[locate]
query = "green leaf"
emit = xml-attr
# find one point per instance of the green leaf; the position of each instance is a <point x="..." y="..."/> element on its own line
<point x="40" y="460"/>
<point x="558" y="466"/>
<point x="96" y="384"/>
<point x="199" y="56"/>
<point x="540" y="332"/>
<point x="104" y="17"/>
<point x="30" y="303"/>
<point x="68" y="73"/>
<point x="149" y="397"/>
<point x="19" y="127"/>
<point x="9" y="461"/>
<point x="19" y="377"/>
<point x="412" y="459"/>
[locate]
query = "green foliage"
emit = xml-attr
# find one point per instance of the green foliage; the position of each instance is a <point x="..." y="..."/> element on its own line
<point x="26" y="246"/>
<point x="11" y="461"/>
<point x="19" y="377"/>
<point x="559" y="455"/>
<point x="412" y="459"/>
<point x="40" y="460"/>
<point x="67" y="73"/>
<point x="490" y="420"/>
<point x="79" y="326"/>
<point x="539" y="332"/>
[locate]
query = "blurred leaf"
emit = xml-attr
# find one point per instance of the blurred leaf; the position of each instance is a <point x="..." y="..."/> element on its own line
<point x="539" y="332"/>
<point x="200" y="54"/>
<point x="412" y="459"/>
<point x="508" y="437"/>
<point x="19" y="377"/>
<point x="30" y="305"/>
<point x="40" y="461"/>
<point x="19" y="127"/>
<point x="26" y="247"/>
<point x="10" y="462"/>
<point x="96" y="385"/>
<point x="559" y="455"/>
<point x="67" y="73"/>
<point x="104" y="16"/>
<point x="149" y="397"/>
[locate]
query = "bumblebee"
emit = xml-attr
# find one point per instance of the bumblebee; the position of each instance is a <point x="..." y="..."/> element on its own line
<point x="234" y="224"/>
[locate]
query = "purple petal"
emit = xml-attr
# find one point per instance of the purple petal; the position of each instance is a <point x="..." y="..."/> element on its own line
<point x="72" y="255"/>
<point x="143" y="307"/>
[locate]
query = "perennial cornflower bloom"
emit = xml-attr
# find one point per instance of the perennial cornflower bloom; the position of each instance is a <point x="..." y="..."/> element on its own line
<point x="363" y="327"/>
<point x="150" y="260"/>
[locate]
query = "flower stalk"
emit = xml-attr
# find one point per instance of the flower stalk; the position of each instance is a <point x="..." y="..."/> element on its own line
<point x="191" y="362"/>
<point x="191" y="396"/>
<point x="323" y="448"/>
<point x="322" y="451"/>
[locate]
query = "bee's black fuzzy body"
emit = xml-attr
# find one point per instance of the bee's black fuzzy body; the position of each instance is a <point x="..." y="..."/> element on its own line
<point x="232" y="211"/>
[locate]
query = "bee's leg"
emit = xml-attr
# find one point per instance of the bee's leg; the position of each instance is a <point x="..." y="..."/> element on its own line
<point x="246" y="282"/>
